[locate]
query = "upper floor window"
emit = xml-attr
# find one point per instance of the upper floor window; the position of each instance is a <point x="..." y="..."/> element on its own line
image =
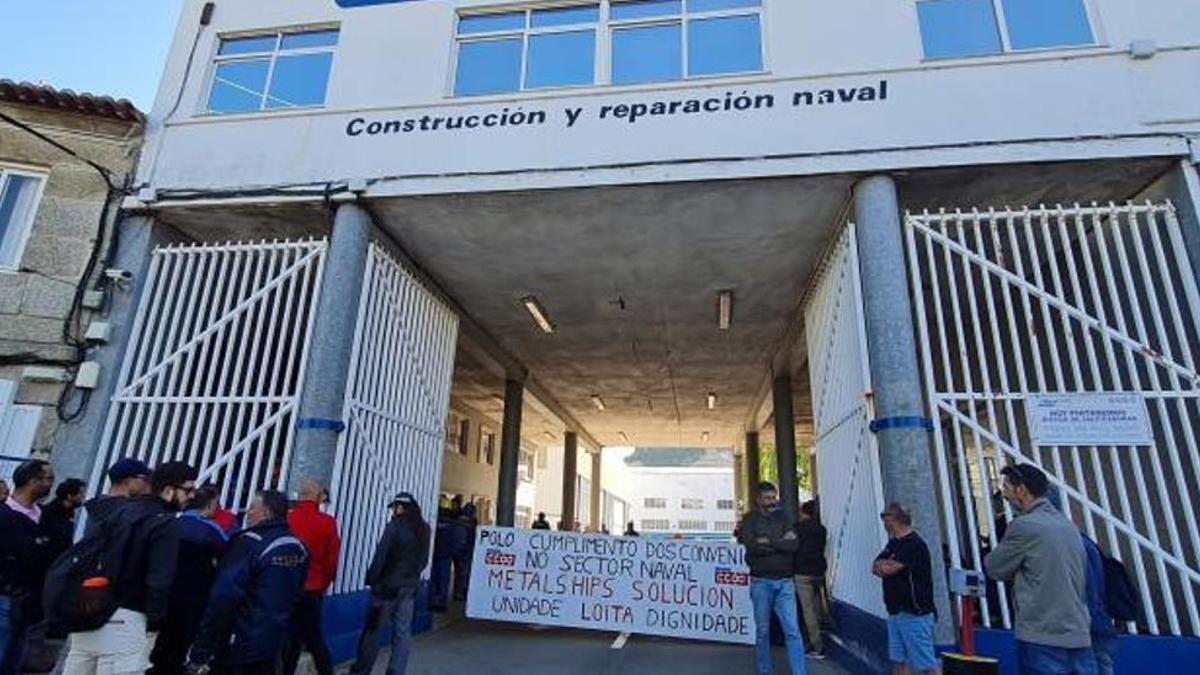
<point x="271" y="72"/>
<point x="691" y="504"/>
<point x="611" y="41"/>
<point x="19" y="195"/>
<point x="654" y="502"/>
<point x="958" y="28"/>
<point x="725" y="504"/>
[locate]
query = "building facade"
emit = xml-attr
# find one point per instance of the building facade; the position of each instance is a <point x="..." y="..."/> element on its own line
<point x="64" y="159"/>
<point x="893" y="229"/>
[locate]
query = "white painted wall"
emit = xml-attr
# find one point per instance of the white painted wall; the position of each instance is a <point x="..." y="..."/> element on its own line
<point x="395" y="62"/>
<point x="676" y="484"/>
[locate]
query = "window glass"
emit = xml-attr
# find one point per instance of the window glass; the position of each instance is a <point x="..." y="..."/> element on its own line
<point x="952" y="28"/>
<point x="309" y="40"/>
<point x="561" y="59"/>
<point x="724" y="45"/>
<point x="238" y="86"/>
<point x="489" y="67"/>
<point x="491" y="23"/>
<point x="564" y="16"/>
<point x="300" y="80"/>
<point x="248" y="45"/>
<point x="16" y="203"/>
<point x="1034" y="24"/>
<point x="713" y="5"/>
<point x="647" y="54"/>
<point x="643" y="9"/>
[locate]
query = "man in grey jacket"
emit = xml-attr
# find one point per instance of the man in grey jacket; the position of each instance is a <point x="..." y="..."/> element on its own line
<point x="1042" y="555"/>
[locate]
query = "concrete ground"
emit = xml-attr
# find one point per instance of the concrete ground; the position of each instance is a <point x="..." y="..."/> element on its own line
<point x="510" y="649"/>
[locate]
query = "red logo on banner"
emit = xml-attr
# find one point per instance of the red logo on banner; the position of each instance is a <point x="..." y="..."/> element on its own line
<point x="495" y="557"/>
<point x="727" y="577"/>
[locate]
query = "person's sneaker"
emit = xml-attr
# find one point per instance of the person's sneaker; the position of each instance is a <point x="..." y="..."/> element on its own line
<point x="819" y="656"/>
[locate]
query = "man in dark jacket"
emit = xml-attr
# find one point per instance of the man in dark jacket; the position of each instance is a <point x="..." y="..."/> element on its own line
<point x="810" y="574"/>
<point x="258" y="584"/>
<point x="58" y="515"/>
<point x="201" y="544"/>
<point x="143" y="584"/>
<point x="541" y="523"/>
<point x="319" y="533"/>
<point x="463" y="550"/>
<point x="443" y="556"/>
<point x="26" y="549"/>
<point x="393" y="577"/>
<point x="771" y="544"/>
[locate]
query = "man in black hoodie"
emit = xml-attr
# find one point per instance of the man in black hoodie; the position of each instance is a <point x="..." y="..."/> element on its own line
<point x="127" y="477"/>
<point x="771" y="544"/>
<point x="393" y="577"/>
<point x="143" y="584"/>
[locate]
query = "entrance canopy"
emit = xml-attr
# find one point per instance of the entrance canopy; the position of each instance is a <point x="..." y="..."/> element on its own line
<point x="630" y="279"/>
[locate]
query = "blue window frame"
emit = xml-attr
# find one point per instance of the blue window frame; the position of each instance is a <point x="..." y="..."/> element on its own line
<point x="271" y="72"/>
<point x="964" y="28"/>
<point x="643" y="41"/>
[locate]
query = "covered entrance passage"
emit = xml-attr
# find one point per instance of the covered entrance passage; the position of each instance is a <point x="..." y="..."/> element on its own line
<point x="491" y="345"/>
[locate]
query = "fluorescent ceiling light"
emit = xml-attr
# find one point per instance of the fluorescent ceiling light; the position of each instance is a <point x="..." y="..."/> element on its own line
<point x="623" y="437"/>
<point x="598" y="402"/>
<point x="538" y="313"/>
<point x="704" y="436"/>
<point x="724" y="309"/>
<point x="712" y="400"/>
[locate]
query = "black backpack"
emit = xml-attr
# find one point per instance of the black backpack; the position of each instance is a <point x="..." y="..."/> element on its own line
<point x="1120" y="595"/>
<point x="80" y="593"/>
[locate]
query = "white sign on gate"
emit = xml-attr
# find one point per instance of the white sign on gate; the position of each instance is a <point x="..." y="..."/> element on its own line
<point x="677" y="588"/>
<point x="1089" y="419"/>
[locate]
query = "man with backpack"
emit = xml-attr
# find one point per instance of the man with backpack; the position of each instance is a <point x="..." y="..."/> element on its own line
<point x="127" y="477"/>
<point x="26" y="547"/>
<point x="258" y="584"/>
<point x="139" y="547"/>
<point x="202" y="543"/>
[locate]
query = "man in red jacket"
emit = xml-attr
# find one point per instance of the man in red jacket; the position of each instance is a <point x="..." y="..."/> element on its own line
<point x="318" y="532"/>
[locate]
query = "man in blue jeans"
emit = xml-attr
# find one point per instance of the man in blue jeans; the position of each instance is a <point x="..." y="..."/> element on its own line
<point x="771" y="543"/>
<point x="907" y="573"/>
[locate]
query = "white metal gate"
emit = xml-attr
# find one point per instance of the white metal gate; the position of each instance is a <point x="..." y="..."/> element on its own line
<point x="216" y="362"/>
<point x="847" y="454"/>
<point x="1065" y="300"/>
<point x="397" y="398"/>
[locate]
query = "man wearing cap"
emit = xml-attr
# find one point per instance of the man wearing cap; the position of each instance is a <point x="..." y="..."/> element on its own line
<point x="907" y="573"/>
<point x="393" y="577"/>
<point x="1043" y="557"/>
<point x="127" y="477"/>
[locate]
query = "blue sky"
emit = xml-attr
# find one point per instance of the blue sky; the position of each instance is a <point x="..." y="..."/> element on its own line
<point x="113" y="47"/>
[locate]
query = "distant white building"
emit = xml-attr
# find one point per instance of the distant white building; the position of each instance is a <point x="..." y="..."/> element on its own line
<point x="681" y="490"/>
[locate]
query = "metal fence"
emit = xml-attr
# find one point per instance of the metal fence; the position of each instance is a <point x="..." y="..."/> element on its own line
<point x="397" y="399"/>
<point x="848" y="476"/>
<point x="1066" y="299"/>
<point x="216" y="363"/>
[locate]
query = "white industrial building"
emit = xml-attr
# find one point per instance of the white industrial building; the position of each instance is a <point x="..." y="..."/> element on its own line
<point x="891" y="231"/>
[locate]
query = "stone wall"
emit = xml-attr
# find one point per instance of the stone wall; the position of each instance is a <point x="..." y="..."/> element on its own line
<point x="35" y="301"/>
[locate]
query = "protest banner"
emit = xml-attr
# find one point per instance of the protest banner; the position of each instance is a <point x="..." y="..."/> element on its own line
<point x="672" y="587"/>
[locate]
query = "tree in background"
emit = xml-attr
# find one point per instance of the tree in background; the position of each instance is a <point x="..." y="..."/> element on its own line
<point x="768" y="468"/>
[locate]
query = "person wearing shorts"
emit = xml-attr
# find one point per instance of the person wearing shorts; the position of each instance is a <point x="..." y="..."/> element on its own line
<point x="907" y="573"/>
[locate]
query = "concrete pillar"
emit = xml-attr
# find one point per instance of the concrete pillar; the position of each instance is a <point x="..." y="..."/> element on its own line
<point x="510" y="453"/>
<point x="753" y="475"/>
<point x="77" y="443"/>
<point x="319" y="422"/>
<point x="739" y="480"/>
<point x="594" y="505"/>
<point x="570" y="471"/>
<point x="785" y="445"/>
<point x="904" y="444"/>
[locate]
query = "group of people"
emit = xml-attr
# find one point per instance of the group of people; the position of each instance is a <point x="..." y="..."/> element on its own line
<point x="453" y="550"/>
<point x="1063" y="625"/>
<point x="191" y="590"/>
